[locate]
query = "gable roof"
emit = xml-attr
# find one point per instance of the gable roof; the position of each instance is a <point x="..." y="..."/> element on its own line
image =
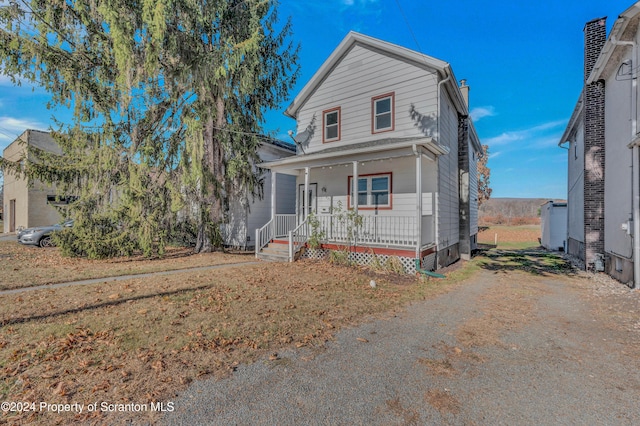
<point x="622" y="35"/>
<point x="389" y="49"/>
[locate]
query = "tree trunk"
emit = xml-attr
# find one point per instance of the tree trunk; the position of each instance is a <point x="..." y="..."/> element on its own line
<point x="211" y="210"/>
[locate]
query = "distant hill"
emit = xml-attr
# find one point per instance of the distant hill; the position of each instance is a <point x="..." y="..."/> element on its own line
<point x="511" y="211"/>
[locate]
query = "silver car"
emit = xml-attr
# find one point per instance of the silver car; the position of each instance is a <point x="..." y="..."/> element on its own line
<point x="41" y="235"/>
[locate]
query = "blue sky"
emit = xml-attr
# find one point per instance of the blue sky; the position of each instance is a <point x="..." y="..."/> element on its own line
<point x="522" y="60"/>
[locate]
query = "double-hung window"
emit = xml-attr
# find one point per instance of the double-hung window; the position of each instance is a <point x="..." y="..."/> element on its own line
<point x="331" y="125"/>
<point x="374" y="191"/>
<point x="382" y="113"/>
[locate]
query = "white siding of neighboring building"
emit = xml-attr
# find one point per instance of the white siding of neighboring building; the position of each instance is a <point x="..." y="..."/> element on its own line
<point x="448" y="177"/>
<point x="244" y="220"/>
<point x="352" y="84"/>
<point x="618" y="167"/>
<point x="575" y="189"/>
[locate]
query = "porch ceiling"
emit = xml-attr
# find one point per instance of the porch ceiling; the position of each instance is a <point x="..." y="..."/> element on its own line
<point x="367" y="151"/>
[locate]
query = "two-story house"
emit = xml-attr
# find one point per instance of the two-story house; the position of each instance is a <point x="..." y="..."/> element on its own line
<point x="384" y="132"/>
<point x="29" y="204"/>
<point x="603" y="224"/>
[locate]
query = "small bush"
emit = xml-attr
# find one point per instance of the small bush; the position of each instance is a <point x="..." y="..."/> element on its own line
<point x="394" y="264"/>
<point x="339" y="257"/>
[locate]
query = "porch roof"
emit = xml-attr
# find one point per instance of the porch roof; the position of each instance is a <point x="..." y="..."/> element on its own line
<point x="366" y="151"/>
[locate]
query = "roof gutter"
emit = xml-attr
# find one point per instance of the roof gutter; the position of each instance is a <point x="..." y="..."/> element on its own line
<point x="438" y="102"/>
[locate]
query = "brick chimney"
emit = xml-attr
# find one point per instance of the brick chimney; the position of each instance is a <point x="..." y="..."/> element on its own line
<point x="595" y="36"/>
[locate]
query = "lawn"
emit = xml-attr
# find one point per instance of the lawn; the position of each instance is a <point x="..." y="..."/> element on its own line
<point x="142" y="340"/>
<point x="511" y="237"/>
<point x="27" y="266"/>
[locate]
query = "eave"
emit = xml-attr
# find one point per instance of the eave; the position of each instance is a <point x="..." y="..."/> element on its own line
<point x="577" y="110"/>
<point x="617" y="38"/>
<point x="359" y="152"/>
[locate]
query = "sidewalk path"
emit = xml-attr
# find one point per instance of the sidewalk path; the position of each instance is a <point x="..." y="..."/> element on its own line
<point x="124" y="277"/>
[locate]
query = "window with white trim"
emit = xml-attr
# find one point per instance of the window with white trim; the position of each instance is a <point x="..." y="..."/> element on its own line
<point x="382" y="113"/>
<point x="373" y="191"/>
<point x="331" y="129"/>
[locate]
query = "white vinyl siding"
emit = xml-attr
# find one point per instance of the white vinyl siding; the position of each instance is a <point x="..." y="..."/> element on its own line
<point x="448" y="199"/>
<point x="575" y="185"/>
<point x="361" y="75"/>
<point x="333" y="184"/>
<point x="618" y="169"/>
<point x="245" y="216"/>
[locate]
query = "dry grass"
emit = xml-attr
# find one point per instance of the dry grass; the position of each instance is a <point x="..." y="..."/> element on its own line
<point x="142" y="340"/>
<point x="27" y="266"/>
<point x="511" y="237"/>
<point x="507" y="307"/>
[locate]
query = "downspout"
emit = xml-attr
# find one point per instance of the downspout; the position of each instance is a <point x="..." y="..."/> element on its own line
<point x="440" y="83"/>
<point x="635" y="167"/>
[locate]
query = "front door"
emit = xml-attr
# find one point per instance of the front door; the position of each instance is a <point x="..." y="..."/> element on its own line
<point x="310" y="199"/>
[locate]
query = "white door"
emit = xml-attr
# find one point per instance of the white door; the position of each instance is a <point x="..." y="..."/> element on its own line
<point x="310" y="199"/>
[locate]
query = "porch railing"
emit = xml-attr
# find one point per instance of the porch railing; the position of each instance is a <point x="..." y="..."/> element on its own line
<point x="385" y="231"/>
<point x="283" y="224"/>
<point x="297" y="238"/>
<point x="264" y="235"/>
<point x="398" y="231"/>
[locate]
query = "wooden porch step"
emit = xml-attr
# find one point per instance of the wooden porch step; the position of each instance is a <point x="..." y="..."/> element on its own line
<point x="271" y="257"/>
<point x="275" y="252"/>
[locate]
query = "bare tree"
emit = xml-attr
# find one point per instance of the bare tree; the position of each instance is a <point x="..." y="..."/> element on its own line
<point x="484" y="173"/>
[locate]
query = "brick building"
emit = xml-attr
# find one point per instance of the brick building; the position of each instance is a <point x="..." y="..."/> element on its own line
<point x="603" y="220"/>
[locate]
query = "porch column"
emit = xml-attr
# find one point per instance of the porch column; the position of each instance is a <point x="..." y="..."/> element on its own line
<point x="418" y="204"/>
<point x="354" y="188"/>
<point x="306" y="194"/>
<point x="273" y="195"/>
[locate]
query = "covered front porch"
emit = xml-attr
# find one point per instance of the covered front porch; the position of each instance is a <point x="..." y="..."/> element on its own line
<point x="379" y="200"/>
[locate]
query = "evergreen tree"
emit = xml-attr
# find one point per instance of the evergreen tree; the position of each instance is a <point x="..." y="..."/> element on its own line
<point x="167" y="97"/>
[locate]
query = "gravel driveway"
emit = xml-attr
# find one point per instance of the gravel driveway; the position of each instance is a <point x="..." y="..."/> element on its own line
<point x="506" y="347"/>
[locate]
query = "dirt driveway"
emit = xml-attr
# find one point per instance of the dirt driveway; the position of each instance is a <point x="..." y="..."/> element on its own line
<point x="506" y="347"/>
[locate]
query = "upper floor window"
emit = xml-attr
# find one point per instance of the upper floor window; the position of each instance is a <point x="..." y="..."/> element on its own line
<point x="331" y="125"/>
<point x="382" y="113"/>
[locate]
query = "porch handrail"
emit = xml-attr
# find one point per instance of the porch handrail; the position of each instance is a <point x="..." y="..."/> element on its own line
<point x="264" y="235"/>
<point x="284" y="223"/>
<point x="297" y="238"/>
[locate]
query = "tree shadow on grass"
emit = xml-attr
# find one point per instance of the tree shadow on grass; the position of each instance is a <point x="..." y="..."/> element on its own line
<point x="535" y="261"/>
<point x="54" y="314"/>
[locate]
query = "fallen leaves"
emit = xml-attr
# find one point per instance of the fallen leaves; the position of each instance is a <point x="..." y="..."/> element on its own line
<point x="140" y="339"/>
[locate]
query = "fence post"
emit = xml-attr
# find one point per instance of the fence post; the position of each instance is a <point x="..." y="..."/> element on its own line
<point x="290" y="246"/>
<point x="257" y="240"/>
